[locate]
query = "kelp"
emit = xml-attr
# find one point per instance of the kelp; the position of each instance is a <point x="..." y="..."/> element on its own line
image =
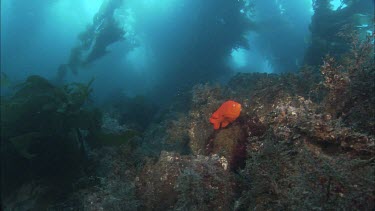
<point x="39" y="106"/>
<point x="23" y="142"/>
<point x="44" y="127"/>
<point x="79" y="93"/>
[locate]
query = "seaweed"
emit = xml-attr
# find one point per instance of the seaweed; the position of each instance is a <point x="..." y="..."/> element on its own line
<point x="42" y="130"/>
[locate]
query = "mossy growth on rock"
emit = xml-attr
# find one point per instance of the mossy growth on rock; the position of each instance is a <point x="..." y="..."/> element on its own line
<point x="187" y="182"/>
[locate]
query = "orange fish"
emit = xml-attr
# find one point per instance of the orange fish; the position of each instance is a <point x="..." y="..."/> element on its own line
<point x="227" y="113"/>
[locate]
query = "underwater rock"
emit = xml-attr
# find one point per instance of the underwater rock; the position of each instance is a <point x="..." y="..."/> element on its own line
<point x="111" y="187"/>
<point x="230" y="143"/>
<point x="260" y="93"/>
<point x="306" y="153"/>
<point x="177" y="134"/>
<point x="200" y="131"/>
<point x="300" y="119"/>
<point x="292" y="139"/>
<point x="25" y="198"/>
<point x="111" y="125"/>
<point x="205" y="100"/>
<point x="171" y="134"/>
<point x="185" y="182"/>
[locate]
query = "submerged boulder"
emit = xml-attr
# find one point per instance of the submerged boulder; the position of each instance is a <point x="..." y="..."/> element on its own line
<point x="178" y="182"/>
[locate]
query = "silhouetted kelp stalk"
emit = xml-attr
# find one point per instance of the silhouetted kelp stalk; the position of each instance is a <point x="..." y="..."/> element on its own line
<point x="103" y="31"/>
<point x="327" y="25"/>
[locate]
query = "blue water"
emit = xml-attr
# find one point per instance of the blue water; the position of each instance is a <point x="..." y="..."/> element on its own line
<point x="160" y="43"/>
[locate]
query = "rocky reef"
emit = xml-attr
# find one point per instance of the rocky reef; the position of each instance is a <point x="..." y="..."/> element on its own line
<point x="178" y="182"/>
<point x="303" y="141"/>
